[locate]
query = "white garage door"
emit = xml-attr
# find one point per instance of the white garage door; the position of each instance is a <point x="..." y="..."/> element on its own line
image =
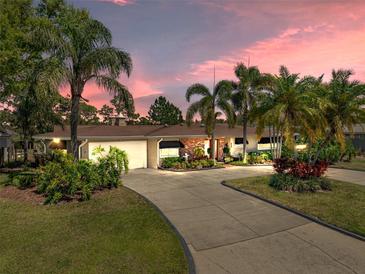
<point x="136" y="151"/>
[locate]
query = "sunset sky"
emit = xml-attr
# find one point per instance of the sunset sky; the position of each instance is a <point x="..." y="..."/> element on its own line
<point x="175" y="43"/>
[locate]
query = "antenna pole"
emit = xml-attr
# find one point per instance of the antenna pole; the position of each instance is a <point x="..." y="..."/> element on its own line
<point x="214" y="77"/>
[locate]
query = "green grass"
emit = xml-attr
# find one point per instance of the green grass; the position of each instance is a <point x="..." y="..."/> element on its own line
<point x="115" y="232"/>
<point x="3" y="178"/>
<point x="355" y="164"/>
<point x="344" y="206"/>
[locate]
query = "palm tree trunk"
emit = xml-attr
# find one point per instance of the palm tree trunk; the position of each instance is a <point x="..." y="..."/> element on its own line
<point x="74" y="120"/>
<point x="280" y="136"/>
<point x="271" y="143"/>
<point x="244" y="134"/>
<point x="212" y="148"/>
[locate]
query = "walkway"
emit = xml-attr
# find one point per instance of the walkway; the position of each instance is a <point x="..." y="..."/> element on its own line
<point x="347" y="175"/>
<point x="230" y="232"/>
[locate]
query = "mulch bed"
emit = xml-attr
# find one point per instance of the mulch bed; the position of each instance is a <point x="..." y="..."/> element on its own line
<point x="22" y="195"/>
<point x="190" y="169"/>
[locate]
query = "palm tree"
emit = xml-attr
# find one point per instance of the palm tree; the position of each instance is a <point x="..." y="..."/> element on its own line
<point x="123" y="103"/>
<point x="345" y="105"/>
<point x="291" y="106"/>
<point x="207" y="107"/>
<point x="84" y="46"/>
<point x="250" y="81"/>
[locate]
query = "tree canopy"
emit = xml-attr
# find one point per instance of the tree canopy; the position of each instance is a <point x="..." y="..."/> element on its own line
<point x="163" y="112"/>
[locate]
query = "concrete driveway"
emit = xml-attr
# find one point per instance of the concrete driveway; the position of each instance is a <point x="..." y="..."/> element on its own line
<point x="230" y="232"/>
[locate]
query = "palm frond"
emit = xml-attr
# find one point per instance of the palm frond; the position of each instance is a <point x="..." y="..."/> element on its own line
<point x="196" y="89"/>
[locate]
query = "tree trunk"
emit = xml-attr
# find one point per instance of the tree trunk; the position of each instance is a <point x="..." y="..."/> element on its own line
<point x="244" y="134"/>
<point x="271" y="143"/>
<point x="74" y="120"/>
<point x="212" y="147"/>
<point x="25" y="150"/>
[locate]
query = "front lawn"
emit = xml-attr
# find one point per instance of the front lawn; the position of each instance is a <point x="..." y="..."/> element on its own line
<point x="344" y="206"/>
<point x="355" y="164"/>
<point x="3" y="178"/>
<point x="115" y="232"/>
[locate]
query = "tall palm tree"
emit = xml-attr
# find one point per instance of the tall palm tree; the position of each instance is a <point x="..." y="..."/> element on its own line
<point x="208" y="107"/>
<point x="345" y="107"/>
<point x="291" y="106"/>
<point x="84" y="46"/>
<point x="250" y="81"/>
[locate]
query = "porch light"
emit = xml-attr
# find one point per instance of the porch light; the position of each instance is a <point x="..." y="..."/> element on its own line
<point x="56" y="140"/>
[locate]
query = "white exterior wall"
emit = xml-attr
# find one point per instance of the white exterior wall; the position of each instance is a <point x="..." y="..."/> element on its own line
<point x="136" y="151"/>
<point x="236" y="149"/>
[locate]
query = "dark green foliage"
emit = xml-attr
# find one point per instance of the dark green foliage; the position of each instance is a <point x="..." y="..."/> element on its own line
<point x="226" y="150"/>
<point x="111" y="166"/>
<point x="287" y="182"/>
<point x="22" y="179"/>
<point x="171" y="161"/>
<point x="163" y="112"/>
<point x="259" y="157"/>
<point x="180" y="163"/>
<point x="65" y="179"/>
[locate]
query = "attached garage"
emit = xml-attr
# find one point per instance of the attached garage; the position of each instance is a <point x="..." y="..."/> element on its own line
<point x="136" y="151"/>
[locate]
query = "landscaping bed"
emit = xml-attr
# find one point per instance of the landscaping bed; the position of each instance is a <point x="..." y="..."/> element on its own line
<point x="217" y="166"/>
<point x="343" y="206"/>
<point x="180" y="164"/>
<point x="115" y="232"/>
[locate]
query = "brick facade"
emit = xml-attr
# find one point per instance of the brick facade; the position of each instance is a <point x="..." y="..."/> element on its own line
<point x="191" y="143"/>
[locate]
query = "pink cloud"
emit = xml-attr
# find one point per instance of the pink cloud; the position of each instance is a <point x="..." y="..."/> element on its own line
<point x="310" y="50"/>
<point x="119" y="2"/>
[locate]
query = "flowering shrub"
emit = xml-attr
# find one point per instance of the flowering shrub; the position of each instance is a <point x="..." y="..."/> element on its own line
<point x="300" y="169"/>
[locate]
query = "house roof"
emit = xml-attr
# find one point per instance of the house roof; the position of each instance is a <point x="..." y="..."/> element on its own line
<point x="357" y="129"/>
<point x="142" y="131"/>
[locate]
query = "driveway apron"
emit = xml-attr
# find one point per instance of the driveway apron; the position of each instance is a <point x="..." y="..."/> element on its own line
<point x="230" y="232"/>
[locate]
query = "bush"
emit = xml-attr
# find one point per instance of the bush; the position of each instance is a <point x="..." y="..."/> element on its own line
<point x="288" y="182"/>
<point x="199" y="153"/>
<point x="228" y="159"/>
<point x="171" y="162"/>
<point x="300" y="169"/>
<point x="22" y="179"/>
<point x="65" y="179"/>
<point x="259" y="157"/>
<point x="226" y="150"/>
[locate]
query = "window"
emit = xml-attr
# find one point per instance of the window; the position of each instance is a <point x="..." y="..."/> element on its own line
<point x="266" y="140"/>
<point x="169" y="152"/>
<point x="239" y="141"/>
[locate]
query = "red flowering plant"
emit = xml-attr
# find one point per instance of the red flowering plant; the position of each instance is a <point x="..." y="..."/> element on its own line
<point x="300" y="169"/>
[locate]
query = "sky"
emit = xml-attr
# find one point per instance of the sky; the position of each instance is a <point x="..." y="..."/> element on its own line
<point x="176" y="43"/>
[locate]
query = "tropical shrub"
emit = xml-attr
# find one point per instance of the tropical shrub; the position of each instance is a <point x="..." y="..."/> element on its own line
<point x="300" y="169"/>
<point x="171" y="162"/>
<point x="288" y="182"/>
<point x="228" y="159"/>
<point x="22" y="179"/>
<point x="64" y="179"/>
<point x="226" y="150"/>
<point x="60" y="181"/>
<point x="259" y="157"/>
<point x="199" y="153"/>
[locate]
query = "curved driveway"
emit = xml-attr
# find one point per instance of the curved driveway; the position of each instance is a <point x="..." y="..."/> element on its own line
<point x="230" y="232"/>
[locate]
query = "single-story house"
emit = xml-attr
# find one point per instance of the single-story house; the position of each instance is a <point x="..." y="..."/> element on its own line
<point x="357" y="137"/>
<point x="7" y="150"/>
<point x="147" y="145"/>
